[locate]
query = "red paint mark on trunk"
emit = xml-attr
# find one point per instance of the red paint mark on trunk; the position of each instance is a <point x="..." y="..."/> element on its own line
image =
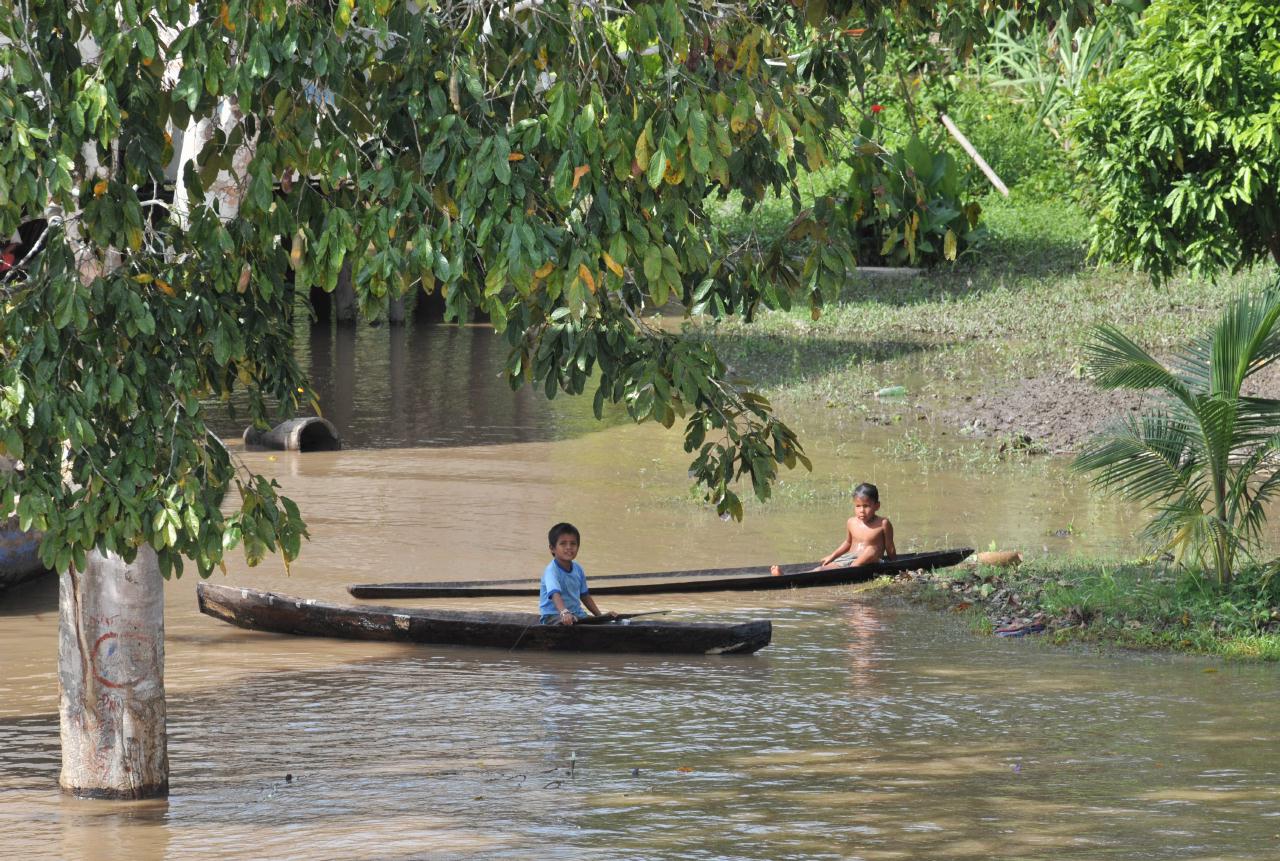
<point x="114" y="654"/>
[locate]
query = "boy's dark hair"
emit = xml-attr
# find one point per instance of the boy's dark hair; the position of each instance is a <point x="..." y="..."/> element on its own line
<point x="562" y="529"/>
<point x="864" y="489"/>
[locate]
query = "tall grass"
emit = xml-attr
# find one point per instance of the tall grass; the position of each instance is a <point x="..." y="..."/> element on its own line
<point x="1047" y="65"/>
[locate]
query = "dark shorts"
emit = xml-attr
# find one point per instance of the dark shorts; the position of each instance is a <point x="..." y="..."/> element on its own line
<point x="553" y="619"/>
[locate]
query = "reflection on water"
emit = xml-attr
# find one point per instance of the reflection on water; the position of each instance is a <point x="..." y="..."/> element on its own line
<point x="423" y="385"/>
<point x="862" y="732"/>
<point x="916" y="740"/>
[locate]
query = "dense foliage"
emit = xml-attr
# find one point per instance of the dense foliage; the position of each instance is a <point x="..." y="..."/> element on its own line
<point x="190" y="166"/>
<point x="1205" y="461"/>
<point x="1183" y="142"/>
<point x="906" y="206"/>
<point x="1045" y="65"/>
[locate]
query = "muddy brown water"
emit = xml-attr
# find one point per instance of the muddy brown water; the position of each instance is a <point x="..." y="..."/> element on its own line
<point x="863" y="732"/>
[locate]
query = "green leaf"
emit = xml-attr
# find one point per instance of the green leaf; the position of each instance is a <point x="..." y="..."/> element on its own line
<point x="657" y="167"/>
<point x="501" y="166"/>
<point x="653" y="263"/>
<point x="145" y="40"/>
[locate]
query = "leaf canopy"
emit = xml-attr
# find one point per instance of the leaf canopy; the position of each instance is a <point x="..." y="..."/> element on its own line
<point x="1183" y="142"/>
<point x="191" y="167"/>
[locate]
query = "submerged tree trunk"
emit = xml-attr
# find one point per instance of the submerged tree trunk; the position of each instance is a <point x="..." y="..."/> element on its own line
<point x="111" y="669"/>
<point x="344" y="295"/>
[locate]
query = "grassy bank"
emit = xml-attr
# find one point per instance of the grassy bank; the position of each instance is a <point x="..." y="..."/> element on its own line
<point x="1018" y="306"/>
<point x="1124" y="604"/>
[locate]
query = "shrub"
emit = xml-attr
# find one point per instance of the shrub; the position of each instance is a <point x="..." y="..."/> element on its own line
<point x="905" y="206"/>
<point x="1183" y="142"/>
<point x="1206" y="462"/>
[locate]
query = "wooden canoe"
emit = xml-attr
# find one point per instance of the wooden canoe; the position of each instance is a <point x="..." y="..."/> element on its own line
<point x="19" y="554"/>
<point x="671" y="582"/>
<point x="281" y="614"/>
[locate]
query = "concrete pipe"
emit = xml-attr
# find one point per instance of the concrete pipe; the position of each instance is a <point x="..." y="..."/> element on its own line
<point x="306" y="434"/>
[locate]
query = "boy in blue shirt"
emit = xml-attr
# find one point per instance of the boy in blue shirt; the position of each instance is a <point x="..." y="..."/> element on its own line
<point x="564" y="585"/>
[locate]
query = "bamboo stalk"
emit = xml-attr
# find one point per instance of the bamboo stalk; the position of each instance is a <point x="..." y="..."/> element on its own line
<point x="973" y="154"/>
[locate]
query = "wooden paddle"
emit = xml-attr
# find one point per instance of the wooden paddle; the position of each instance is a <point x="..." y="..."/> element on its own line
<point x="617" y="617"/>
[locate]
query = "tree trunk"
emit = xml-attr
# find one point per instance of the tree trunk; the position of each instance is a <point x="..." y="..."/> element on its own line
<point x="111" y="669"/>
<point x="395" y="311"/>
<point x="344" y="296"/>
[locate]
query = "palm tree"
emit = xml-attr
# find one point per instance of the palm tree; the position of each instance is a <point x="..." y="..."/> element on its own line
<point x="1204" y="461"/>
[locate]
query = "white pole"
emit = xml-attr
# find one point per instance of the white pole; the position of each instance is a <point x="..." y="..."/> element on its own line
<point x="973" y="154"/>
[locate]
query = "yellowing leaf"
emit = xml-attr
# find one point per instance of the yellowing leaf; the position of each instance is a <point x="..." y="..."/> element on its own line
<point x="224" y="15"/>
<point x="143" y="278"/>
<point x="243" y="283"/>
<point x="516" y="156"/>
<point x="643" y="150"/>
<point x="949" y="245"/>
<point x="585" y="274"/>
<point x="612" y="264"/>
<point x="545" y="269"/>
<point x="100" y="188"/>
<point x="444" y="201"/>
<point x="165" y="288"/>
<point x="579" y="172"/>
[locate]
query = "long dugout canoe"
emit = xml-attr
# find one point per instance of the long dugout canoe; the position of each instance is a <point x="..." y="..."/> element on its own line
<point x="672" y="582"/>
<point x="19" y="554"/>
<point x="281" y="614"/>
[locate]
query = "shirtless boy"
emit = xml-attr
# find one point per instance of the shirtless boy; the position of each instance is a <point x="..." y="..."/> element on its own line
<point x="868" y="537"/>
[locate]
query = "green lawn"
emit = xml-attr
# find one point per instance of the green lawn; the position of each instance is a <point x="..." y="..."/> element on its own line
<point x="1018" y="305"/>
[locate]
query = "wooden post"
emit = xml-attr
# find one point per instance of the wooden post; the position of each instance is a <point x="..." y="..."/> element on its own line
<point x="973" y="154"/>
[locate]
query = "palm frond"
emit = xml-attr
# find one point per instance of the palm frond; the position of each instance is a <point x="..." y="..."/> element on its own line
<point x="1253" y="515"/>
<point x="1183" y="529"/>
<point x="1249" y="495"/>
<point x="1244" y="341"/>
<point x="1193" y="364"/>
<point x="1206" y="463"/>
<point x="1151" y="457"/>
<point x="1114" y="361"/>
<point x="1217" y="426"/>
<point x="1256" y="414"/>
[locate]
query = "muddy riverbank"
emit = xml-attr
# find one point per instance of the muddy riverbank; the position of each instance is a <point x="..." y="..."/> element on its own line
<point x="1054" y="412"/>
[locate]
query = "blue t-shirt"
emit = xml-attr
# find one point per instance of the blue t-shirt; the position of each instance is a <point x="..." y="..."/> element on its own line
<point x="571" y="585"/>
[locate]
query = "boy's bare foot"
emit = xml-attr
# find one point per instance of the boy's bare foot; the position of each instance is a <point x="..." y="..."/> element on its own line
<point x="775" y="570"/>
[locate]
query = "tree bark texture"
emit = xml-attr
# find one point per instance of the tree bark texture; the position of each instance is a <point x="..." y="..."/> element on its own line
<point x="344" y="295"/>
<point x="111" y="670"/>
<point x="395" y="311"/>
